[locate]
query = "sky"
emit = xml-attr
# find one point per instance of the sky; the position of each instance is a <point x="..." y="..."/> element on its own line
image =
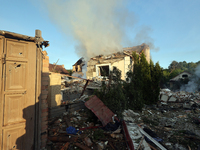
<point x="76" y="28"/>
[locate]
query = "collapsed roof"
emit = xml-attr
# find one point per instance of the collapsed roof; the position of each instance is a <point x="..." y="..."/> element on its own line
<point x="80" y="62"/>
<point x="125" y="51"/>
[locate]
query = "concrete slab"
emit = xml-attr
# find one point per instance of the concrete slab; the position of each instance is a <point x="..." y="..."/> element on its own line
<point x="172" y="99"/>
<point x="164" y="98"/>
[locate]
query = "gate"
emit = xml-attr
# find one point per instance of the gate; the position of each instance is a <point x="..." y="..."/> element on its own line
<point x="17" y="93"/>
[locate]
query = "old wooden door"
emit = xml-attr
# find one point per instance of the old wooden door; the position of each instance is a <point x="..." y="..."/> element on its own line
<point x="17" y="104"/>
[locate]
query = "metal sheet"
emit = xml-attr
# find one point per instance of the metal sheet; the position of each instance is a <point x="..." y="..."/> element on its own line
<point x="100" y="110"/>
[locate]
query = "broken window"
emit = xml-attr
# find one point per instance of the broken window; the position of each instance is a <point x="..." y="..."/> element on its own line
<point x="184" y="76"/>
<point x="104" y="70"/>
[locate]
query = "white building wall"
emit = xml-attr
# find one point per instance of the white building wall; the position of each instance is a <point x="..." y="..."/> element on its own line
<point x="127" y="62"/>
<point x="120" y="66"/>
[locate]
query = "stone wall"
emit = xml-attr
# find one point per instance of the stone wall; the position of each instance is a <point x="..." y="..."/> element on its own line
<point x="44" y="104"/>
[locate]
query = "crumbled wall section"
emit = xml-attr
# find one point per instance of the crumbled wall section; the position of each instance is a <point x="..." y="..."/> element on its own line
<point x="54" y="96"/>
<point x="44" y="104"/>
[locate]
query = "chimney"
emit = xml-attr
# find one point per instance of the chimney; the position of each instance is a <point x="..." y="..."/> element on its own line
<point x="63" y="65"/>
<point x="38" y="33"/>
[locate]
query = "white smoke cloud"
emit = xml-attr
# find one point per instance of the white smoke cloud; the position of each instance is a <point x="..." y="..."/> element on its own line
<point x="97" y="26"/>
<point x="194" y="83"/>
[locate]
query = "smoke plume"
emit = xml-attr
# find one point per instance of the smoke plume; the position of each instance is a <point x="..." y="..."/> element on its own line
<point x="194" y="83"/>
<point x="143" y="36"/>
<point x="97" y="26"/>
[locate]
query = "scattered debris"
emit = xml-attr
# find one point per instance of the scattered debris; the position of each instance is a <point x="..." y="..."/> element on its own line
<point x="100" y="110"/>
<point x="174" y="123"/>
<point x="75" y="129"/>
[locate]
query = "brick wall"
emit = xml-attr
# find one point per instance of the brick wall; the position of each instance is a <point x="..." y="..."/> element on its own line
<point x="44" y="104"/>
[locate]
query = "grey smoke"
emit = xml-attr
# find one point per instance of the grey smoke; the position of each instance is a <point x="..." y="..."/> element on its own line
<point x="194" y="83"/>
<point x="143" y="36"/>
<point x="97" y="26"/>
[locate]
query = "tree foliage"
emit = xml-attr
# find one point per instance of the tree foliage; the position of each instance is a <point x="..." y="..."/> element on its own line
<point x="183" y="66"/>
<point x="145" y="80"/>
<point x="133" y="86"/>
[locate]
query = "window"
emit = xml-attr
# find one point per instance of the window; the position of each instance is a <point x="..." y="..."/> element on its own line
<point x="184" y="76"/>
<point x="103" y="70"/>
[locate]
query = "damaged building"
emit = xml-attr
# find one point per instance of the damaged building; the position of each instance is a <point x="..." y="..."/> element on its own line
<point x="77" y="69"/>
<point x="102" y="65"/>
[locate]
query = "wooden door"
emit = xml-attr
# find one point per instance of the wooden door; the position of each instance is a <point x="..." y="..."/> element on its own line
<point x="18" y="95"/>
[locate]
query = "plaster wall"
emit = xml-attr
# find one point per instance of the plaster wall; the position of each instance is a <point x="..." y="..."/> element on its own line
<point x="54" y="98"/>
<point x="121" y="64"/>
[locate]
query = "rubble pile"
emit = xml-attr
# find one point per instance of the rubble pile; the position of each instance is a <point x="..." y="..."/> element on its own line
<point x="181" y="96"/>
<point x="95" y="83"/>
<point x="81" y="129"/>
<point x="174" y="124"/>
<point x="173" y="127"/>
<point x="74" y="86"/>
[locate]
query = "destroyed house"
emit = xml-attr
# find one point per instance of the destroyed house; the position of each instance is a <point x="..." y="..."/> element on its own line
<point x="77" y="67"/>
<point x="182" y="75"/>
<point x="102" y="65"/>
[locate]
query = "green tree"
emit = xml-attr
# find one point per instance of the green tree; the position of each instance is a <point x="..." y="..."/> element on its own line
<point x="174" y="65"/>
<point x="143" y="86"/>
<point x="156" y="75"/>
<point x="145" y="78"/>
<point x="174" y="73"/>
<point x="165" y="78"/>
<point x="133" y="86"/>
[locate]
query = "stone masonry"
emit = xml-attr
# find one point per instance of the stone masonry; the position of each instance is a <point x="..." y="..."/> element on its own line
<point x="44" y="104"/>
